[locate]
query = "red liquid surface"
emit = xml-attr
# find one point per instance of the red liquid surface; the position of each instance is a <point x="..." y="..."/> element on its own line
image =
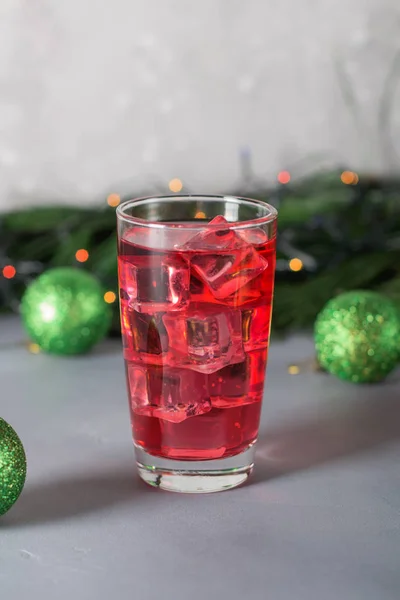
<point x="195" y="318"/>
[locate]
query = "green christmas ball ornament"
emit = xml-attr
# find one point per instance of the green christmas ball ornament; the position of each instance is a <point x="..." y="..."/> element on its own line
<point x="357" y="336"/>
<point x="12" y="467"/>
<point x="64" y="311"/>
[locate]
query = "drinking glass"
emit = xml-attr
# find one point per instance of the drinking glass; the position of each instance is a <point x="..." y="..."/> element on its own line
<point x="196" y="278"/>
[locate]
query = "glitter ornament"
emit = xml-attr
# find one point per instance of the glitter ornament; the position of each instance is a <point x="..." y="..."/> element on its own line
<point x="12" y="467"/>
<point x="357" y="336"/>
<point x="63" y="311"/>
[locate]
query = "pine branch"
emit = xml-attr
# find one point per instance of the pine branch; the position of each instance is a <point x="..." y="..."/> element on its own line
<point x="347" y="236"/>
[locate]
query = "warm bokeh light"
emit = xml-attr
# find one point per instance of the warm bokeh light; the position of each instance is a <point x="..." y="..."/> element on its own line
<point x="293" y="370"/>
<point x="9" y="271"/>
<point x="284" y="177"/>
<point x="175" y="185"/>
<point x="110" y="297"/>
<point x="81" y="255"/>
<point x="113" y="200"/>
<point x="200" y="215"/>
<point x="349" y="178"/>
<point x="34" y="348"/>
<point x="295" y="264"/>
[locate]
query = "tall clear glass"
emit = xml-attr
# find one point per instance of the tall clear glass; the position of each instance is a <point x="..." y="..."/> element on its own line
<point x="196" y="277"/>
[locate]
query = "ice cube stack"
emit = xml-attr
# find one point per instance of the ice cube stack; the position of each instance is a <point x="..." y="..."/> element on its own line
<point x="190" y="346"/>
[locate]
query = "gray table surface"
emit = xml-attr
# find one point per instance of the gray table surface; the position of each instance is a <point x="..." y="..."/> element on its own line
<point x="319" y="520"/>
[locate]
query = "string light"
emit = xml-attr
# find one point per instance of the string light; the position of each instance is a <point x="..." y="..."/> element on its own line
<point x="9" y="271"/>
<point x="81" y="255"/>
<point x="113" y="200"/>
<point x="284" y="177"/>
<point x="349" y="178"/>
<point x="109" y="297"/>
<point x="175" y="185"/>
<point x="295" y="264"/>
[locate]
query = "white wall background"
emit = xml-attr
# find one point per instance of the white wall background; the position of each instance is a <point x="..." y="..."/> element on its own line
<point x="99" y="95"/>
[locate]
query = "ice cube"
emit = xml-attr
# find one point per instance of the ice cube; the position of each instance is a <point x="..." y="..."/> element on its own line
<point x="148" y="239"/>
<point x="239" y="384"/>
<point x="213" y="238"/>
<point x="256" y="327"/>
<point x="231" y="264"/>
<point x="154" y="283"/>
<point x="126" y="331"/>
<point x="169" y="394"/>
<point x="199" y="291"/>
<point x="253" y="235"/>
<point x="204" y="338"/>
<point x="144" y="337"/>
<point x="127" y="283"/>
<point x="138" y="389"/>
<point x="228" y="273"/>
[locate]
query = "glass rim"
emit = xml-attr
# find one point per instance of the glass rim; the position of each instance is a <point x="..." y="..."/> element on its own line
<point x="271" y="215"/>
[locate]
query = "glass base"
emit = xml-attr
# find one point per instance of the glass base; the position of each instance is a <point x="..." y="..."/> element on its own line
<point x="195" y="477"/>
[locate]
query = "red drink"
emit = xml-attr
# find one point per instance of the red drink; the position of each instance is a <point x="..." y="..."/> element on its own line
<point x="195" y="314"/>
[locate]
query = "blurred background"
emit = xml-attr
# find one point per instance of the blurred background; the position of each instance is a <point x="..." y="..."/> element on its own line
<point x="298" y="103"/>
<point x="97" y="95"/>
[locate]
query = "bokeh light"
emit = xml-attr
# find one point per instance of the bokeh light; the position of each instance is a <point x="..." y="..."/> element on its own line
<point x="9" y="271"/>
<point x="110" y="297"/>
<point x="34" y="348"/>
<point x="81" y="255"/>
<point x="284" y="177"/>
<point x="175" y="185"/>
<point x="113" y="200"/>
<point x="349" y="178"/>
<point x="295" y="264"/>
